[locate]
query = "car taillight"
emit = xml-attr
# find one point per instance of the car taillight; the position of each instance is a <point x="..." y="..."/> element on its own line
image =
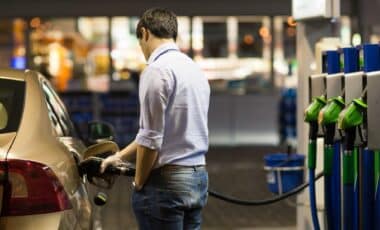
<point x="31" y="188"/>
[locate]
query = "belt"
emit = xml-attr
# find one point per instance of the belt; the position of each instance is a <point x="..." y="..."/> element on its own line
<point x="173" y="168"/>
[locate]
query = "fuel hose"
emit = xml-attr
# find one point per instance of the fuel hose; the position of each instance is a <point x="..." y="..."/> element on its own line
<point x="271" y="200"/>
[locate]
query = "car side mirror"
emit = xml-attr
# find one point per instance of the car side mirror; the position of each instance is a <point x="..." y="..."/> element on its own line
<point x="3" y="116"/>
<point x="99" y="132"/>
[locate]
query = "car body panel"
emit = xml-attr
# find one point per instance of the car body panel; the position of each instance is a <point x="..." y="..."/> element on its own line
<point x="36" y="137"/>
<point x="12" y="74"/>
<point x="6" y="140"/>
<point x="41" y="222"/>
<point x="76" y="147"/>
<point x="36" y="140"/>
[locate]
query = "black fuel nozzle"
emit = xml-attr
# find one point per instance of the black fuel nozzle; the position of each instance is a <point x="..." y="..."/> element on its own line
<point x="91" y="168"/>
<point x="349" y="139"/>
<point x="313" y="130"/>
<point x="329" y="131"/>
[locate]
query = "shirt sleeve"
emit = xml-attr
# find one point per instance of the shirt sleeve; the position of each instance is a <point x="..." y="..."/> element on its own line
<point x="155" y="90"/>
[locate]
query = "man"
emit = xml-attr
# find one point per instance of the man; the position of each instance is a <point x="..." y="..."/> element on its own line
<point x="170" y="186"/>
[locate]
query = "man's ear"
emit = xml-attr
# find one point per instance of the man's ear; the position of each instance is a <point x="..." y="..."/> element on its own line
<point x="145" y="33"/>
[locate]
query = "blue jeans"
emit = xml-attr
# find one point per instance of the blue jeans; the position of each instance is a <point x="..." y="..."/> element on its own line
<point x="172" y="198"/>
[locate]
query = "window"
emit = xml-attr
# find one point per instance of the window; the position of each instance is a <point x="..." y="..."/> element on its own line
<point x="56" y="50"/>
<point x="250" y="43"/>
<point x="95" y="31"/>
<point x="12" y="43"/>
<point x="215" y="39"/>
<point x="54" y="121"/>
<point x="12" y="102"/>
<point x="57" y="112"/>
<point x="127" y="57"/>
<point x="183" y="38"/>
<point x="3" y="116"/>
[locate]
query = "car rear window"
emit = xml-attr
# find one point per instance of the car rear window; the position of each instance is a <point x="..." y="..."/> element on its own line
<point x="12" y="94"/>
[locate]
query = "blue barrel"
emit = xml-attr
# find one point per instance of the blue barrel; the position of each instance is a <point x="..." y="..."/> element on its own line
<point x="284" y="172"/>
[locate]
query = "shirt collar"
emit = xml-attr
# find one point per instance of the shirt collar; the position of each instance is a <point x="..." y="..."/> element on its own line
<point x="160" y="49"/>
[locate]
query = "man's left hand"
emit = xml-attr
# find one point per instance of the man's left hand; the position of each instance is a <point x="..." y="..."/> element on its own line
<point x="136" y="187"/>
<point x="113" y="160"/>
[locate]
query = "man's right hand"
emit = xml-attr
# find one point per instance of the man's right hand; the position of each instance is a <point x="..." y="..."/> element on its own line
<point x="113" y="160"/>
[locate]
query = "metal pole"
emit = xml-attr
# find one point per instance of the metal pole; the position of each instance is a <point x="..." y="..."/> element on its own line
<point x="28" y="53"/>
<point x="191" y="51"/>
<point x="272" y="52"/>
<point x="111" y="68"/>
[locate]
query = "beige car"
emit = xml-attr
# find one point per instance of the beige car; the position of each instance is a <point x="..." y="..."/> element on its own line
<point x="40" y="185"/>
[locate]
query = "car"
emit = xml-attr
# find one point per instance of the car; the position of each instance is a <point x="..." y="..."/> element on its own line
<point x="40" y="150"/>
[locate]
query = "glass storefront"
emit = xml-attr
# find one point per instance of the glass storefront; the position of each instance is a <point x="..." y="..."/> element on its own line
<point x="239" y="54"/>
<point x="234" y="52"/>
<point x="12" y="43"/>
<point x="55" y="50"/>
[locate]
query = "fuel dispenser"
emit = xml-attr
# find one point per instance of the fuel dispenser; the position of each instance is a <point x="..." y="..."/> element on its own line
<point x="353" y="88"/>
<point x="350" y="120"/>
<point x="373" y="131"/>
<point x="328" y="118"/>
<point x="346" y="106"/>
<point x="371" y="54"/>
<point x="317" y="86"/>
<point x="358" y="159"/>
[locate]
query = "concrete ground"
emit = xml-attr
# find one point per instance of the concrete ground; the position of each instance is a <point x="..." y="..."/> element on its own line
<point x="237" y="171"/>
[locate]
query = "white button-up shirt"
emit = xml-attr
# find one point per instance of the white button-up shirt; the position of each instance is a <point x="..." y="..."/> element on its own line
<point x="174" y="98"/>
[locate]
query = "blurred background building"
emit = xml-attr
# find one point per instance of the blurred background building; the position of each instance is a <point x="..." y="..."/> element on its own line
<point x="91" y="55"/>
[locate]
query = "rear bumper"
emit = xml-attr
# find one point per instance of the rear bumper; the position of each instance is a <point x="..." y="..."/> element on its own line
<point x="50" y="221"/>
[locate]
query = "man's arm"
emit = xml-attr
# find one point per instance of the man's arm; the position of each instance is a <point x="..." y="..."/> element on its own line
<point x="155" y="89"/>
<point x="129" y="152"/>
<point x="154" y="95"/>
<point x="126" y="154"/>
<point x="145" y="160"/>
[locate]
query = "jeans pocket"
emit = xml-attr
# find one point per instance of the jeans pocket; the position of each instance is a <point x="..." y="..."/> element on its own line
<point x="177" y="182"/>
<point x="168" y="205"/>
<point x="140" y="201"/>
<point x="202" y="188"/>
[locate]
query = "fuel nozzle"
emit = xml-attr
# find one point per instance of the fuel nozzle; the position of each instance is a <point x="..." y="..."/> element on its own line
<point x="312" y="113"/>
<point x="329" y="114"/>
<point x="328" y="117"/>
<point x="352" y="115"/>
<point x="350" y="119"/>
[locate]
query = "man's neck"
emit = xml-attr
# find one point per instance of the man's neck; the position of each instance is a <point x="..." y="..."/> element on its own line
<point x="158" y="42"/>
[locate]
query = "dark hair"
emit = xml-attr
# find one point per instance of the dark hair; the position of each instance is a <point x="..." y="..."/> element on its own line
<point x="162" y="23"/>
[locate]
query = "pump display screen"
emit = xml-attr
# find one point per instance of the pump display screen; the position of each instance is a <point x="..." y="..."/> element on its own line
<point x="302" y="9"/>
<point x="11" y="104"/>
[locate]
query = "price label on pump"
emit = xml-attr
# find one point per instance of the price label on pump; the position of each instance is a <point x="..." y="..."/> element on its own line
<point x="307" y="9"/>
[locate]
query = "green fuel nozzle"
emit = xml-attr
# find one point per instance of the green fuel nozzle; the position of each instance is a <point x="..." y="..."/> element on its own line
<point x="352" y="115"/>
<point x="311" y="115"/>
<point x="328" y="117"/>
<point x="312" y="111"/>
<point x="329" y="114"/>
